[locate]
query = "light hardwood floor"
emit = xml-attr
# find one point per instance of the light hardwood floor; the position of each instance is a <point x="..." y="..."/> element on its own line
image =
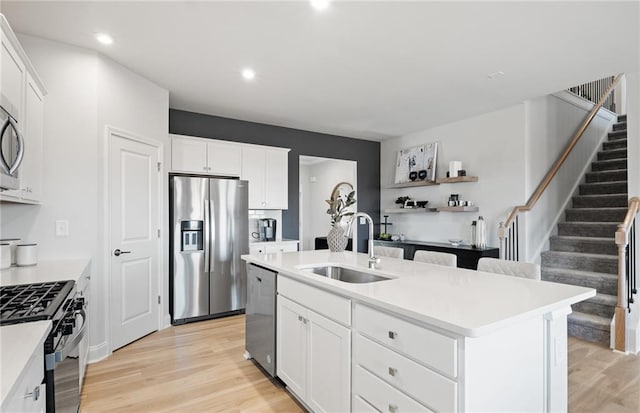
<point x="200" y="367"/>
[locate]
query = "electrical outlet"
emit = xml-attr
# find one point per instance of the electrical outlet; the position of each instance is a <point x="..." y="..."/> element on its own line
<point x="362" y="221"/>
<point x="62" y="228"/>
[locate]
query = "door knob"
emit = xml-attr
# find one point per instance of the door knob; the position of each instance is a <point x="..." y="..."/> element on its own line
<point x="117" y="252"/>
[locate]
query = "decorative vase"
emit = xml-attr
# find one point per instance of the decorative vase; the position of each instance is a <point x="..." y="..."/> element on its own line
<point x="337" y="240"/>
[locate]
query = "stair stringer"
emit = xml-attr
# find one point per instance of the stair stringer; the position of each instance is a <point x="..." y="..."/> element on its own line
<point x="534" y="256"/>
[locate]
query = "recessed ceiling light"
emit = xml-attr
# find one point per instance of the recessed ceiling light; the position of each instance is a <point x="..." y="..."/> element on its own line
<point x="104" y="38"/>
<point x="320" y="4"/>
<point x="248" y="74"/>
<point x="495" y="74"/>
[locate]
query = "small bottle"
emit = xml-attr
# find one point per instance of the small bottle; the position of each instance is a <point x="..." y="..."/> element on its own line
<point x="473" y="234"/>
<point x="481" y="233"/>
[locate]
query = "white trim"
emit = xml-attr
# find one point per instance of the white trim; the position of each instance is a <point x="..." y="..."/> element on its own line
<point x="240" y="144"/>
<point x="109" y="132"/>
<point x="98" y="353"/>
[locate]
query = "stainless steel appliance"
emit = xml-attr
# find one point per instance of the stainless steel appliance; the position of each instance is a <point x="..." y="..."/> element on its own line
<point x="261" y="317"/>
<point x="11" y="151"/>
<point x="267" y="229"/>
<point x="209" y="233"/>
<point x="58" y="302"/>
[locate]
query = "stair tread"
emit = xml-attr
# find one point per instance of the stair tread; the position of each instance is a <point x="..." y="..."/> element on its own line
<point x="580" y="273"/>
<point x="607" y="208"/>
<point x="607" y="183"/>
<point x="591" y="320"/>
<point x="582" y="255"/>
<point x="609" y="171"/>
<point x="598" y="196"/>
<point x="606" y="299"/>
<point x="583" y="239"/>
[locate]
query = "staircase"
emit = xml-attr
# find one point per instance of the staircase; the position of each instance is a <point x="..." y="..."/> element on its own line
<point x="584" y="251"/>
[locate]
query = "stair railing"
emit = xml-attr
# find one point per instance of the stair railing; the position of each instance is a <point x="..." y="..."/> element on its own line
<point x="508" y="230"/>
<point x="626" y="242"/>
<point x="596" y="88"/>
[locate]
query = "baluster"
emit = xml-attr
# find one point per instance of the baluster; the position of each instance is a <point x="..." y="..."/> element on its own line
<point x="516" y="240"/>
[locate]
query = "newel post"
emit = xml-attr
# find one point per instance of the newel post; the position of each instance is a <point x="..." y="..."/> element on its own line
<point x="621" y="306"/>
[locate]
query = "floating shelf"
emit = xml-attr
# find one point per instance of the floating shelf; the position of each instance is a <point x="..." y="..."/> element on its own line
<point x="413" y="184"/>
<point x="458" y="209"/>
<point x="457" y="179"/>
<point x="409" y="210"/>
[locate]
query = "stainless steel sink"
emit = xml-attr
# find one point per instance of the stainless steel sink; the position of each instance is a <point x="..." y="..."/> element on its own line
<point x="346" y="274"/>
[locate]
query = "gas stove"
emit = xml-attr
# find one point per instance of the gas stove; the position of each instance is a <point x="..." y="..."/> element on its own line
<point x="33" y="302"/>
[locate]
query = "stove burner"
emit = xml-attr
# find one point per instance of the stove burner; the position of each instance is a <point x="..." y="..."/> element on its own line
<point x="32" y="302"/>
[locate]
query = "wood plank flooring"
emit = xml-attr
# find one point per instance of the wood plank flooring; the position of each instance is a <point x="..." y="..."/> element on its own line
<point x="200" y="367"/>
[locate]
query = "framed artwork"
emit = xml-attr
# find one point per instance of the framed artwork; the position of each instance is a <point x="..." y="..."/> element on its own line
<point x="416" y="159"/>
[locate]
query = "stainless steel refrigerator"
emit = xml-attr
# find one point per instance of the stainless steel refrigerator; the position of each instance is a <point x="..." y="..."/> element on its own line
<point x="209" y="233"/>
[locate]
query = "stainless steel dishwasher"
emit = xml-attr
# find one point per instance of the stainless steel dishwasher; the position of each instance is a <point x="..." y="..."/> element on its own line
<point x="260" y="341"/>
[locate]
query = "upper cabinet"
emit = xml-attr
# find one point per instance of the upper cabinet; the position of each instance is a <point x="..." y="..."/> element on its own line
<point x="22" y="96"/>
<point x="205" y="156"/>
<point x="265" y="167"/>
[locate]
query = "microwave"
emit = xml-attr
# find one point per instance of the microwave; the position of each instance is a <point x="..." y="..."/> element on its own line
<point x="11" y="151"/>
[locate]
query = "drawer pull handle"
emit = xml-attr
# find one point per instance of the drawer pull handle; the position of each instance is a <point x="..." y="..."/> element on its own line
<point x="301" y="318"/>
<point x="393" y="335"/>
<point x="393" y="408"/>
<point x="392" y="371"/>
<point x="35" y="394"/>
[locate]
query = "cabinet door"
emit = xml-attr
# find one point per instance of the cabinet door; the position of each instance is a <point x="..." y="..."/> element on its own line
<point x="276" y="179"/>
<point x="224" y="159"/>
<point x="253" y="164"/>
<point x="329" y="365"/>
<point x="31" y="169"/>
<point x="29" y="394"/>
<point x="189" y="155"/>
<point x="291" y="343"/>
<point x="12" y="78"/>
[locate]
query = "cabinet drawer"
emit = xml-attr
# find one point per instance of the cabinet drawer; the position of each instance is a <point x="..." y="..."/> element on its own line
<point x="381" y="395"/>
<point x="419" y="382"/>
<point x="329" y="305"/>
<point x="426" y="346"/>
<point x="360" y="406"/>
<point x="30" y="380"/>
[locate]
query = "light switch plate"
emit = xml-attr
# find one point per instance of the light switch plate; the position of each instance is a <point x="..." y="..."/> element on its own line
<point x="62" y="228"/>
<point x="362" y="221"/>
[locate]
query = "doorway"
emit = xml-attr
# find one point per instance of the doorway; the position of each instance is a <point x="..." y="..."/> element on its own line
<point x="318" y="177"/>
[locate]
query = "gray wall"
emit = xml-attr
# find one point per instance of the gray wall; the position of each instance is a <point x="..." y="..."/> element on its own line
<point x="366" y="153"/>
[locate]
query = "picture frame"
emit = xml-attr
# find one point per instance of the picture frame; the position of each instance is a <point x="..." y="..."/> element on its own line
<point x="415" y="159"/>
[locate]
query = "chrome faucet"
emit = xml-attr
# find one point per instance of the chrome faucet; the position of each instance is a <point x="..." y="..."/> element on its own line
<point x="373" y="261"/>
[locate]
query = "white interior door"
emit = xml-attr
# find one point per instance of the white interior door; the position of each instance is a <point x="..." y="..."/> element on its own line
<point x="133" y="199"/>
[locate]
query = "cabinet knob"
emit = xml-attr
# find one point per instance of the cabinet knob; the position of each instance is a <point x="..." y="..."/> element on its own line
<point x="392" y="371"/>
<point x="393" y="335"/>
<point x="393" y="408"/>
<point x="35" y="394"/>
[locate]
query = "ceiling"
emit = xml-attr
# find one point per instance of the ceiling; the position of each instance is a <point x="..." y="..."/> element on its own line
<point x="369" y="70"/>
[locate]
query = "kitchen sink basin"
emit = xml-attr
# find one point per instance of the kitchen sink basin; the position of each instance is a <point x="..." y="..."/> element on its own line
<point x="346" y="274"/>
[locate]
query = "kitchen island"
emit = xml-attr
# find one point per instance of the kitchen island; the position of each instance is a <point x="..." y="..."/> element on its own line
<point x="426" y="338"/>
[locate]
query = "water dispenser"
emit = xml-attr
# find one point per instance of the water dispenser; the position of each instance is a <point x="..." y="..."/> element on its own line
<point x="192" y="235"/>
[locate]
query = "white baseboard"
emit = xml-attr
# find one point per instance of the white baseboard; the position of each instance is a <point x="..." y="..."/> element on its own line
<point x="98" y="353"/>
<point x="166" y="322"/>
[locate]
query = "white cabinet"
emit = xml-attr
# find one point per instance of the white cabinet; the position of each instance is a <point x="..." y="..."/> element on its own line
<point x="31" y="169"/>
<point x="12" y="74"/>
<point x="266" y="169"/>
<point x="205" y="156"/>
<point x="29" y="395"/>
<point x="22" y="95"/>
<point x="273" y="246"/>
<point x="313" y="357"/>
<point x="83" y="288"/>
<point x="402" y="366"/>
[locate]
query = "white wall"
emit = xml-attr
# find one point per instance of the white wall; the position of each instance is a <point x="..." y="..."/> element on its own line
<point x="85" y="92"/>
<point x="490" y="146"/>
<point x="551" y="122"/>
<point x="328" y="173"/>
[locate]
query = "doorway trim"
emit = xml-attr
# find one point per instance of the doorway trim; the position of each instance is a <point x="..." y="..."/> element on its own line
<point x="104" y="350"/>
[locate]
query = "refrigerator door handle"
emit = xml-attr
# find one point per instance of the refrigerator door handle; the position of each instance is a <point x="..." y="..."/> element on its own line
<point x="207" y="235"/>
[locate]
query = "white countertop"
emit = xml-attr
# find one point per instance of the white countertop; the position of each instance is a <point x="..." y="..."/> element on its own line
<point x="45" y="271"/>
<point x="278" y="241"/>
<point x="466" y="302"/>
<point x="17" y="343"/>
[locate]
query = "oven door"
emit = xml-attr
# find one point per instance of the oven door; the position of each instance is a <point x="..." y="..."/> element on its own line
<point x="64" y="395"/>
<point x="11" y="151"/>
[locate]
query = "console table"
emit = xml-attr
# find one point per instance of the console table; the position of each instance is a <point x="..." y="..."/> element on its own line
<point x="468" y="256"/>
